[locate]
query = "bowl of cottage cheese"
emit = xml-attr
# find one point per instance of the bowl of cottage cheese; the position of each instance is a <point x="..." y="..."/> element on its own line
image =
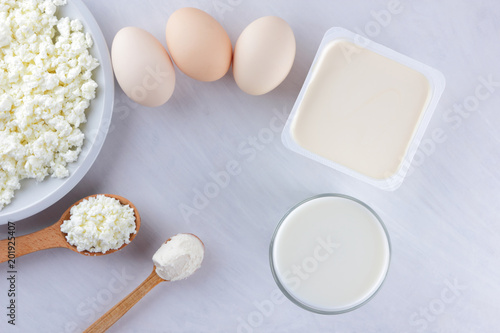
<point x="56" y="101"/>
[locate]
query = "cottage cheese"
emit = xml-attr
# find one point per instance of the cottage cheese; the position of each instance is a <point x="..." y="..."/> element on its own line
<point x="99" y="224"/>
<point x="45" y="88"/>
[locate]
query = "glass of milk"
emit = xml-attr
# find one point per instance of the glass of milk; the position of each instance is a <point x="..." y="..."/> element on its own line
<point x="330" y="254"/>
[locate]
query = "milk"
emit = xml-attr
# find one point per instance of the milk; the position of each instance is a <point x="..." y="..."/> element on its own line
<point x="330" y="253"/>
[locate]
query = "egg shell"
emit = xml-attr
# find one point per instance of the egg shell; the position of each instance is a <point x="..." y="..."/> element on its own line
<point x="199" y="45"/>
<point x="142" y="67"/>
<point x="263" y="55"/>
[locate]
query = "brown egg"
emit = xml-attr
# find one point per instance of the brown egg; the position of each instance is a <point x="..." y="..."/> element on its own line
<point x="198" y="44"/>
<point x="142" y="67"/>
<point x="263" y="55"/>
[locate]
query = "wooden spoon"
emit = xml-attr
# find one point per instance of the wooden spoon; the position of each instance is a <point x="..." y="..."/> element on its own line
<point x="52" y="236"/>
<point x="116" y="312"/>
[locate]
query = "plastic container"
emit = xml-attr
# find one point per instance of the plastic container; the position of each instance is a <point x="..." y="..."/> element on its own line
<point x="400" y="160"/>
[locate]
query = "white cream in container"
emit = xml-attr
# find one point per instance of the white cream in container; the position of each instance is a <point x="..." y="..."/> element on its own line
<point x="363" y="109"/>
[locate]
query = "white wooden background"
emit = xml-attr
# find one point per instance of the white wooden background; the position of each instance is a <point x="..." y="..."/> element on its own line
<point x="443" y="221"/>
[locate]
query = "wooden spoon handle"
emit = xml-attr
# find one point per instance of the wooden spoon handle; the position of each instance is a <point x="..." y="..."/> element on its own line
<point x="116" y="312"/>
<point x="47" y="238"/>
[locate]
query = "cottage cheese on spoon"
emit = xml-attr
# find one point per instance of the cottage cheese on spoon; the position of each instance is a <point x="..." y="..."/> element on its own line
<point x="99" y="224"/>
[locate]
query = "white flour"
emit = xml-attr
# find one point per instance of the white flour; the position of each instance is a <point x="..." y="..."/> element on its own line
<point x="178" y="258"/>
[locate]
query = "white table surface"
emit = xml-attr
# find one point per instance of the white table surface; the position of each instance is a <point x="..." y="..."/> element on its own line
<point x="443" y="221"/>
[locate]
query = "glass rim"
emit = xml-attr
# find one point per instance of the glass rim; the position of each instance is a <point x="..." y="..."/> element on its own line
<point x="293" y="298"/>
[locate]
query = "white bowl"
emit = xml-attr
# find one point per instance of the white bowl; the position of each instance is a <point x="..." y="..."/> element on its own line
<point x="34" y="197"/>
